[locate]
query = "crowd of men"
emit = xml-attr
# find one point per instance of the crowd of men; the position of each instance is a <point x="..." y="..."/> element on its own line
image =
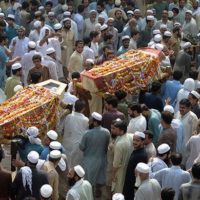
<point x="120" y="146"/>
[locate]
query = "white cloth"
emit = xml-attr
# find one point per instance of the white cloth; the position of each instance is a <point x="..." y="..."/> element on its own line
<point x="190" y="28"/>
<point x="151" y="150"/>
<point x="95" y="48"/>
<point x="27" y="64"/>
<point x="69" y="98"/>
<point x="80" y="25"/>
<point x="21" y="46"/>
<point x="137" y="124"/>
<point x="88" y="53"/>
<point x="27" y="177"/>
<point x="34" y="35"/>
<point x="75" y="126"/>
<point x="156" y="164"/>
<point x="132" y="44"/>
<point x="34" y="140"/>
<point x="82" y="190"/>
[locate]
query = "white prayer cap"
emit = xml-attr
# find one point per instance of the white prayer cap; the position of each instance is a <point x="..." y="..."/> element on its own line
<point x="167" y="34"/>
<point x="187" y="45"/>
<point x="2" y="15"/>
<point x="51" y="14"/>
<point x="150" y="18"/>
<point x="163" y="26"/>
<point x="46" y="191"/>
<point x="125" y="37"/>
<point x="17" y="5"/>
<point x="137" y="10"/>
<point x="117" y="2"/>
<point x="57" y="26"/>
<point x="118" y="196"/>
<point x="33" y="157"/>
<point x="16" y="66"/>
<point x="189" y="84"/>
<point x="11" y="16"/>
<point x="139" y="134"/>
<point x="159" y="47"/>
<point x="97" y="26"/>
<point x="163" y="148"/>
<point x="64" y="7"/>
<point x="189" y="12"/>
<point x="151" y="43"/>
<point x="156" y="31"/>
<point x="67" y="13"/>
<point x="103" y="27"/>
<point x="50" y="50"/>
<point x="52" y="135"/>
<point x="130" y="12"/>
<point x="150" y="12"/>
<point x="170" y="14"/>
<point x="55" y="145"/>
<point x="33" y="131"/>
<point x="79" y="171"/>
<point x="89" y="60"/>
<point x="101" y="16"/>
<point x="157" y="38"/>
<point x="38" y="12"/>
<point x="55" y="154"/>
<point x="195" y="93"/>
<point x="142" y="168"/>
<point x="37" y="24"/>
<point x="169" y="108"/>
<point x="17" y="88"/>
<point x="96" y="116"/>
<point x="177" y="24"/>
<point x="41" y="8"/>
<point x="21" y="28"/>
<point x="66" y="19"/>
<point x="93" y="11"/>
<point x="31" y="44"/>
<point x="110" y="19"/>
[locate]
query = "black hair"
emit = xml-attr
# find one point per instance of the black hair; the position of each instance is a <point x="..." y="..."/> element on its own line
<point x="167" y="117"/>
<point x="120" y="94"/>
<point x="75" y="75"/>
<point x="2" y="23"/>
<point x="156" y="85"/>
<point x="144" y="107"/>
<point x="37" y="56"/>
<point x="35" y="77"/>
<point x="94" y="34"/>
<point x="3" y="37"/>
<point x="194" y="74"/>
<point x="177" y="75"/>
<point x="112" y="100"/>
<point x="196" y="170"/>
<point x="100" y="3"/>
<point x="134" y="32"/>
<point x="136" y="107"/>
<point x="78" y="42"/>
<point x="176" y="158"/>
<point x="149" y="133"/>
<point x="122" y="125"/>
<point x="86" y="40"/>
<point x="49" y="3"/>
<point x="108" y="37"/>
<point x="185" y="102"/>
<point x="167" y="194"/>
<point x="81" y="8"/>
<point x="25" y="5"/>
<point x="14" y="71"/>
<point x="79" y="105"/>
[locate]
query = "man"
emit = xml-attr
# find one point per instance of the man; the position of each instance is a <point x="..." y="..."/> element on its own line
<point x="153" y="120"/>
<point x="19" y="44"/>
<point x="38" y="68"/>
<point x="94" y="145"/>
<point x="138" y="155"/>
<point x="149" y="146"/>
<point x="49" y="62"/>
<point x="6" y="179"/>
<point x="148" y="189"/>
<point x="87" y="53"/>
<point x="194" y="100"/>
<point x="111" y="112"/>
<point x="48" y="138"/>
<point x="168" y="134"/>
<point x="26" y="62"/>
<point x="76" y="60"/>
<point x="80" y="188"/>
<point x="189" y="120"/>
<point x="189" y="25"/>
<point x="13" y="81"/>
<point x="135" y="35"/>
<point x="130" y="27"/>
<point x="171" y="87"/>
<point x="183" y="61"/>
<point x="68" y="41"/>
<point x="35" y="33"/>
<point x="125" y="44"/>
<point x="162" y="159"/>
<point x="122" y="151"/>
<point x="46" y="192"/>
<point x="49" y="168"/>
<point x="191" y="190"/>
<point x="138" y="121"/>
<point x="29" y="180"/>
<point x="167" y="193"/>
<point x="119" y="22"/>
<point x="95" y="38"/>
<point x="174" y="176"/>
<point x="75" y="126"/>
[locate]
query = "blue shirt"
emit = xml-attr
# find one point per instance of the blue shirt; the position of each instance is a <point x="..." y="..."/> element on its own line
<point x="44" y="154"/>
<point x="11" y="32"/>
<point x="170" y="90"/>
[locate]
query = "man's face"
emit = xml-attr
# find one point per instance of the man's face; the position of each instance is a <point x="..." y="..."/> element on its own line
<point x="137" y="14"/>
<point x="10" y="22"/>
<point x="110" y="23"/>
<point x="21" y="33"/>
<point x="48" y="8"/>
<point x="164" y="14"/>
<point x="37" y="62"/>
<point x="85" y="3"/>
<point x="99" y="9"/>
<point x="183" y="109"/>
<point x="192" y="100"/>
<point x="195" y="5"/>
<point x="46" y="141"/>
<point x="126" y="43"/>
<point x="131" y="113"/>
<point x="188" y="17"/>
<point x="79" y="48"/>
<point x="93" y="15"/>
<point x="67" y="24"/>
<point x="181" y="3"/>
<point x="71" y="177"/>
<point x="118" y="14"/>
<point x="137" y="142"/>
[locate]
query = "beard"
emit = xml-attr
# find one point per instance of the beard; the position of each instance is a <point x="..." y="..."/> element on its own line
<point x="137" y="181"/>
<point x="91" y="126"/>
<point x="71" y="181"/>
